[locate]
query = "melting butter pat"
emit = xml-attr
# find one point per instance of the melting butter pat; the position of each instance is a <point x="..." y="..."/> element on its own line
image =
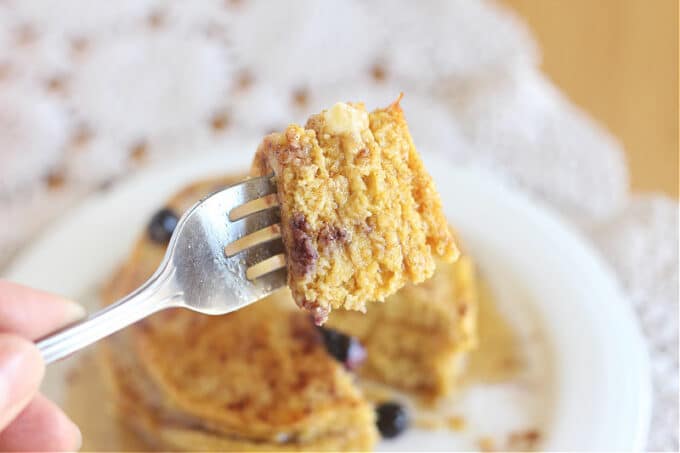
<point x="342" y="118"/>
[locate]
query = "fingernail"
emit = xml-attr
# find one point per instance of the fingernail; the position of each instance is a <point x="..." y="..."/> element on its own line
<point x="21" y="370"/>
<point x="79" y="440"/>
<point x="73" y="311"/>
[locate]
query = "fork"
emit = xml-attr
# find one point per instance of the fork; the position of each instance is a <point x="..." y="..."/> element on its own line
<point x="209" y="266"/>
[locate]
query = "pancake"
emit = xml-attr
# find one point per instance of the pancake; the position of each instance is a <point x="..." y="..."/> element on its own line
<point x="360" y="216"/>
<point x="418" y="339"/>
<point x="261" y="378"/>
<point x="255" y="379"/>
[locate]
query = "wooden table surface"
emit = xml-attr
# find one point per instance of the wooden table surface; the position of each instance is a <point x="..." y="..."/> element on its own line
<point x="618" y="59"/>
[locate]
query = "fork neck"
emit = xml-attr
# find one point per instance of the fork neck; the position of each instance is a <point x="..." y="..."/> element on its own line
<point x="159" y="292"/>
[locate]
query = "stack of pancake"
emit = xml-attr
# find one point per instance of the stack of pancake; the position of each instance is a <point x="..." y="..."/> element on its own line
<point x="261" y="378"/>
<point x="256" y="379"/>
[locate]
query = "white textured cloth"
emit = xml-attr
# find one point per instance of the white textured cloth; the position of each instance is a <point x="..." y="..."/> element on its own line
<point x="93" y="90"/>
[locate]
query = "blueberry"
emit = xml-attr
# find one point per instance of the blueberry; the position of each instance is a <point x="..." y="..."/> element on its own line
<point x="162" y="225"/>
<point x="392" y="419"/>
<point x="344" y="348"/>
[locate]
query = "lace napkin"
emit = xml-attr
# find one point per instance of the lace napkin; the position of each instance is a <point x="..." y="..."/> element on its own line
<point x="92" y="91"/>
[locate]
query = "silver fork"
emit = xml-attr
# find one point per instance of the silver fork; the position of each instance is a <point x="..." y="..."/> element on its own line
<point x="198" y="271"/>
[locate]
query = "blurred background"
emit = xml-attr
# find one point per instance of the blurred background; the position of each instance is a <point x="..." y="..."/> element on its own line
<point x="618" y="59"/>
<point x="574" y="102"/>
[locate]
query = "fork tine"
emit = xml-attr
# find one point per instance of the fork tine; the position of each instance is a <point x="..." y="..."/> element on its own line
<point x="253" y="206"/>
<point x="255" y="222"/>
<point x="252" y="189"/>
<point x="260" y="252"/>
<point x="270" y="282"/>
<point x="229" y="198"/>
<point x="263" y="235"/>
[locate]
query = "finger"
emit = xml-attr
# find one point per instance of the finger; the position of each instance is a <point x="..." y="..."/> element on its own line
<point x="32" y="313"/>
<point x="21" y="370"/>
<point x="41" y="426"/>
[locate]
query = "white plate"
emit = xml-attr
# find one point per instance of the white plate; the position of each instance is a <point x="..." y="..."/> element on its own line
<point x="600" y="390"/>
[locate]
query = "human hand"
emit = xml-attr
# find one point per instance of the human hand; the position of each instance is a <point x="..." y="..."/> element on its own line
<point x="28" y="420"/>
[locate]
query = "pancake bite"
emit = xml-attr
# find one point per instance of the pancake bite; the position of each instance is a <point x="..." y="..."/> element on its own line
<point x="360" y="215"/>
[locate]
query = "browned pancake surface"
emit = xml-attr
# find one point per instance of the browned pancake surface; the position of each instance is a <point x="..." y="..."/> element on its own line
<point x="258" y="376"/>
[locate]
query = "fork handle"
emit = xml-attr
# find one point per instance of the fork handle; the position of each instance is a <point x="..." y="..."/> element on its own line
<point x="151" y="297"/>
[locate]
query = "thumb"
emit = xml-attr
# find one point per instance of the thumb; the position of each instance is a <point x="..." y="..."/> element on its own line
<point x="21" y="370"/>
